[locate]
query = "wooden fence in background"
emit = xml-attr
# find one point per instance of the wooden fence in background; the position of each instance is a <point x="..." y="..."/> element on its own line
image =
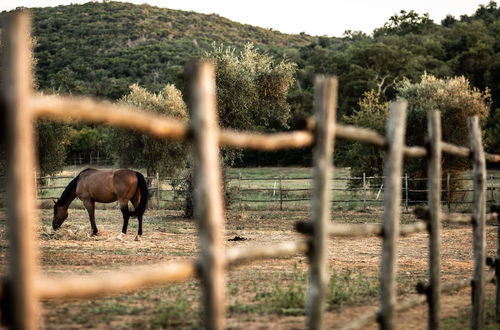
<point x="24" y="286"/>
<point x="294" y="193"/>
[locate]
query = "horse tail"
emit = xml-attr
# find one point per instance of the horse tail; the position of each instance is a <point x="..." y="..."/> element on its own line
<point x="143" y="188"/>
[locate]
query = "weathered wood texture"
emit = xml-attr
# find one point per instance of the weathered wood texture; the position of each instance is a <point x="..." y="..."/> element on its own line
<point x="208" y="206"/>
<point x="497" y="273"/>
<point x="137" y="278"/>
<point x="434" y="201"/>
<point x="325" y="103"/>
<point x="478" y="224"/>
<point x="16" y="93"/>
<point x="392" y="172"/>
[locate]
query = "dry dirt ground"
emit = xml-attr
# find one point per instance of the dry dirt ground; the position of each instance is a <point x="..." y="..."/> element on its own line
<point x="251" y="288"/>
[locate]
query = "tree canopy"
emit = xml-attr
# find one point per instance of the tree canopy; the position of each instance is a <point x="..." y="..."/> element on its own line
<point x="100" y="49"/>
<point x="140" y="150"/>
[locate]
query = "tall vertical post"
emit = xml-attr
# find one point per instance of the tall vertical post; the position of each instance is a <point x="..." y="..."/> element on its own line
<point x="497" y="271"/>
<point x="158" y="190"/>
<point x="492" y="190"/>
<point x="434" y="198"/>
<point x="325" y="105"/>
<point x="478" y="222"/>
<point x="16" y="94"/>
<point x="392" y="211"/>
<point x="281" y="192"/>
<point x="364" y="191"/>
<point x="208" y="206"/>
<point x="406" y="192"/>
<point x="448" y="191"/>
<point x="239" y="191"/>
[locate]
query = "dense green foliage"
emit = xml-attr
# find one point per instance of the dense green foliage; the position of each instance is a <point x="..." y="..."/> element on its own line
<point x="140" y="150"/>
<point x="252" y="91"/>
<point x="101" y="49"/>
<point x="365" y="158"/>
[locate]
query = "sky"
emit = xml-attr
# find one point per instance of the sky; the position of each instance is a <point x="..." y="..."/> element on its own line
<point x="314" y="17"/>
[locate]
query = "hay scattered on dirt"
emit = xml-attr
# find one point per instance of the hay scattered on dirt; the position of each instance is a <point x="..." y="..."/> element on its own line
<point x="69" y="232"/>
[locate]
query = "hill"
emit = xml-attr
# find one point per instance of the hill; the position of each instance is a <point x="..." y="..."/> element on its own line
<point x="101" y="48"/>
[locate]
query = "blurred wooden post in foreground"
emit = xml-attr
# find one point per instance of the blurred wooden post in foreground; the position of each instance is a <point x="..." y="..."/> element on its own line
<point x="392" y="211"/>
<point x="22" y="301"/>
<point x="325" y="103"/>
<point x="434" y="225"/>
<point x="208" y="204"/>
<point x="478" y="222"/>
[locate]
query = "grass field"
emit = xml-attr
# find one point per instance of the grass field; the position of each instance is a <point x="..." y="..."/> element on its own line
<point x="267" y="294"/>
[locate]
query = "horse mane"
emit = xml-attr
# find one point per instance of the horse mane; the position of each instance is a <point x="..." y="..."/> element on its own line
<point x="70" y="189"/>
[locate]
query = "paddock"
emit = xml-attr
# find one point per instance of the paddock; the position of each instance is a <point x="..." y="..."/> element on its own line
<point x="170" y="239"/>
<point x="25" y="288"/>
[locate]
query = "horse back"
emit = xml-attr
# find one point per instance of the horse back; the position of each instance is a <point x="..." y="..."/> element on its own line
<point x="125" y="183"/>
<point x="96" y="185"/>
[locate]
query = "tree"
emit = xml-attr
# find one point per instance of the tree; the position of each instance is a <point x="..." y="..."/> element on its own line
<point x="454" y="97"/>
<point x="406" y="23"/>
<point x="141" y="150"/>
<point x="360" y="157"/>
<point x="252" y="90"/>
<point x="51" y="137"/>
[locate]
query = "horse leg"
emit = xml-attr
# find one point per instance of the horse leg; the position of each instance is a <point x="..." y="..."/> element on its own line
<point x="135" y="202"/>
<point x="90" y="206"/>
<point x="139" y="231"/>
<point x="126" y="216"/>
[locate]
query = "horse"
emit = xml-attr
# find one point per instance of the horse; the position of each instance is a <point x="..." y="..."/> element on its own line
<point x="105" y="186"/>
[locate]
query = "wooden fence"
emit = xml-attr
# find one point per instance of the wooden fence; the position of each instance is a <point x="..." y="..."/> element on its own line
<point x="24" y="286"/>
<point x="294" y="193"/>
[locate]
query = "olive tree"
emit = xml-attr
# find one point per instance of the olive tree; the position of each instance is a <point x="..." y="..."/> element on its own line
<point x="252" y="89"/>
<point x="136" y="149"/>
<point x="454" y="97"/>
<point x="363" y="158"/>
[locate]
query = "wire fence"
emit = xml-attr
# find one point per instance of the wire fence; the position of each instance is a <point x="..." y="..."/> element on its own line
<point x="294" y="193"/>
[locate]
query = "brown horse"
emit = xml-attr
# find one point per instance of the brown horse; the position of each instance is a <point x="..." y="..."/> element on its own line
<point x="105" y="186"/>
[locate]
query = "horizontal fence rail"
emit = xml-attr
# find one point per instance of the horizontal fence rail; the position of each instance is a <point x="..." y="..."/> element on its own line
<point x="255" y="193"/>
<point x="27" y="287"/>
<point x="89" y="110"/>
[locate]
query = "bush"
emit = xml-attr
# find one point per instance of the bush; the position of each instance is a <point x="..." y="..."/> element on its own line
<point x="143" y="151"/>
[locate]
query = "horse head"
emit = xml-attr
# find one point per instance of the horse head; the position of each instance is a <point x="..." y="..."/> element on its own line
<point x="60" y="214"/>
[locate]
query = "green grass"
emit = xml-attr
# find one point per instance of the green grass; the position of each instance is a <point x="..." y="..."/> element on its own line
<point x="349" y="288"/>
<point x="463" y="320"/>
<point x="286" y="295"/>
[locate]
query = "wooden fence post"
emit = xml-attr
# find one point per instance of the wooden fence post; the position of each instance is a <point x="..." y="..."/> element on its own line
<point x="434" y="197"/>
<point x="325" y="105"/>
<point x="364" y="191"/>
<point x="448" y="191"/>
<point x="492" y="190"/>
<point x="497" y="271"/>
<point x="281" y="193"/>
<point x="158" y="191"/>
<point x="208" y="206"/>
<point x="406" y="192"/>
<point x="392" y="198"/>
<point x="16" y="93"/>
<point x="478" y="223"/>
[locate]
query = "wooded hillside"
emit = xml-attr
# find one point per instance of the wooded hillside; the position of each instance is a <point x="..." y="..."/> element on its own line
<point x="101" y="49"/>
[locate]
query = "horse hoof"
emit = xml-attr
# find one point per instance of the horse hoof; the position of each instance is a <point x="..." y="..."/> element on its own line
<point x="137" y="238"/>
<point x="120" y="236"/>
